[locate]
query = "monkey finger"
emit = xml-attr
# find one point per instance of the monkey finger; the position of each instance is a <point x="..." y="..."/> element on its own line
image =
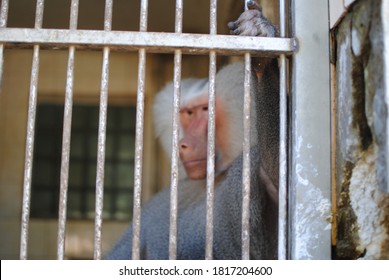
<point x="248" y="16"/>
<point x="232" y="25"/>
<point x="253" y="5"/>
<point x="236" y="31"/>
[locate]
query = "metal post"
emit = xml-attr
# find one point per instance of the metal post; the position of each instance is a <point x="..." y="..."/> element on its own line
<point x="211" y="138"/>
<point x="310" y="173"/>
<point x="246" y="158"/>
<point x="102" y="135"/>
<point x="175" y="156"/>
<point x="136" y="221"/>
<point x="28" y="162"/>
<point x="67" y="126"/>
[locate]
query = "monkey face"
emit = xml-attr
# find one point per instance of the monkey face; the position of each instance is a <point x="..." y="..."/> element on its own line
<point x="193" y="146"/>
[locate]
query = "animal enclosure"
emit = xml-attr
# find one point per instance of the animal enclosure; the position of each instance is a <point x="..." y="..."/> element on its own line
<point x="85" y="73"/>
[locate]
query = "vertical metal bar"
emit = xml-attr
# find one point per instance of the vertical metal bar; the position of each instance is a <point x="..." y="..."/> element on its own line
<point x="30" y="138"/>
<point x="246" y="161"/>
<point x="3" y="24"/>
<point x="211" y="137"/>
<point x="136" y="221"/>
<point x="246" y="158"/>
<point x="175" y="156"/>
<point x="66" y="138"/>
<point x="40" y="5"/>
<point x="310" y="156"/>
<point x="102" y="135"/>
<point x="4" y="13"/>
<point x="282" y="191"/>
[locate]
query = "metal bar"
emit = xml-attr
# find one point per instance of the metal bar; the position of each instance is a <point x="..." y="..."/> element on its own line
<point x="153" y="41"/>
<point x="29" y="155"/>
<point x="102" y="135"/>
<point x="136" y="220"/>
<point x="40" y="5"/>
<point x="101" y="153"/>
<point x="246" y="157"/>
<point x="179" y="16"/>
<point x="64" y="179"/>
<point x="28" y="162"/>
<point x="108" y="15"/>
<point x="175" y="155"/>
<point x="74" y="14"/>
<point x="3" y="24"/>
<point x="282" y="190"/>
<point x="143" y="15"/>
<point x="211" y="138"/>
<point x="4" y="13"/>
<point x="310" y="154"/>
<point x="246" y="161"/>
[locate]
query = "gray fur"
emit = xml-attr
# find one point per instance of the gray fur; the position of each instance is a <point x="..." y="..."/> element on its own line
<point x="191" y="220"/>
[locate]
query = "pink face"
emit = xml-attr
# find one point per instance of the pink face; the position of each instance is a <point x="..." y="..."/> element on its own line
<point x="193" y="146"/>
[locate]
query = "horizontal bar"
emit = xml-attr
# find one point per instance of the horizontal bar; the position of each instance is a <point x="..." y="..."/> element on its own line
<point x="152" y="41"/>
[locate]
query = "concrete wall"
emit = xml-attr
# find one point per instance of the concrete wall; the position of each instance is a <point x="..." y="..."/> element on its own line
<point x="361" y="136"/>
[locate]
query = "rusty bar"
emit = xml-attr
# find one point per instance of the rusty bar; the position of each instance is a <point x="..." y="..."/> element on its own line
<point x="108" y="15"/>
<point x="29" y="154"/>
<point x="136" y="220"/>
<point x="40" y="5"/>
<point x="153" y="41"/>
<point x="282" y="195"/>
<point x="4" y="13"/>
<point x="246" y="157"/>
<point x="143" y="15"/>
<point x="211" y="138"/>
<point x="179" y="16"/>
<point x="175" y="155"/>
<point x="28" y="162"/>
<point x="213" y="17"/>
<point x="101" y="153"/>
<point x="3" y="24"/>
<point x="136" y="223"/>
<point x="64" y="179"/>
<point x="246" y="161"/>
<point x="102" y="135"/>
<point x="74" y="14"/>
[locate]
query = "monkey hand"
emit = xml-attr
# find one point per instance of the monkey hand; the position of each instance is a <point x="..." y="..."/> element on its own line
<point x="252" y="22"/>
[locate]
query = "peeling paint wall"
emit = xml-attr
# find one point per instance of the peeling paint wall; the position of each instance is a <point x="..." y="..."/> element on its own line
<point x="361" y="134"/>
